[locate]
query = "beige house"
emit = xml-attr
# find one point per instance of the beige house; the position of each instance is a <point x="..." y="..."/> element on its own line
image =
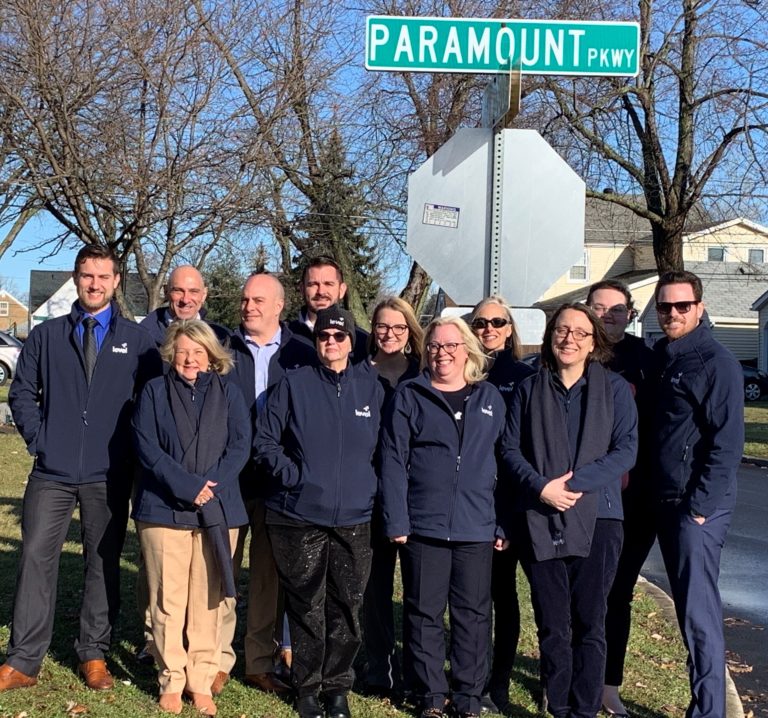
<point x="13" y="314"/>
<point x="731" y="257"/>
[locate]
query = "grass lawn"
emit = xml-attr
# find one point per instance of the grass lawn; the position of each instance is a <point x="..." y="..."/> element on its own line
<point x="655" y="681"/>
<point x="756" y="428"/>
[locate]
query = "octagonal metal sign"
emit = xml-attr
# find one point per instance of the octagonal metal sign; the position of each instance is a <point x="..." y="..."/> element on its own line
<point x="541" y="216"/>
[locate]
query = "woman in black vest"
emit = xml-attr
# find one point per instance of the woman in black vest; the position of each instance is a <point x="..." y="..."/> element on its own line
<point x="493" y="325"/>
<point x="394" y="346"/>
<point x="193" y="436"/>
<point x="571" y="435"/>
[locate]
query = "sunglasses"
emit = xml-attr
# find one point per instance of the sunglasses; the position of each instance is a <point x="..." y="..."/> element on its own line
<point x="338" y="337"/>
<point x="496" y="323"/>
<point x="680" y="307"/>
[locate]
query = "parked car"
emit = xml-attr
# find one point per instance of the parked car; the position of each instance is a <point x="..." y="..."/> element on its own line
<point x="10" y="347"/>
<point x="755" y="383"/>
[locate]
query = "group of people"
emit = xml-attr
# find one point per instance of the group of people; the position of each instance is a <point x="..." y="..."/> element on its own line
<point x="338" y="452"/>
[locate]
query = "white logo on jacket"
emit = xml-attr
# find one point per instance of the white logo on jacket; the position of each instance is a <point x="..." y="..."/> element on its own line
<point x="676" y="379"/>
<point x="122" y="349"/>
<point x="511" y="387"/>
<point x="365" y="412"/>
<point x="488" y="411"/>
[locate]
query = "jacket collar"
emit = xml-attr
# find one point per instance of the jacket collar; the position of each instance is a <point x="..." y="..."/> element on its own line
<point x="76" y="312"/>
<point x="688" y="342"/>
<point x="285" y="334"/>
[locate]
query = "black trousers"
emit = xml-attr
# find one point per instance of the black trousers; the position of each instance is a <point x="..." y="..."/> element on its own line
<point x="323" y="572"/>
<point x="46" y="515"/>
<point x="569" y="596"/>
<point x="382" y="669"/>
<point x="506" y="611"/>
<point x="436" y="574"/>
<point x="639" y="535"/>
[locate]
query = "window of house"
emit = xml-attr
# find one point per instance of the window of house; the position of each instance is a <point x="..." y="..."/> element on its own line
<point x="756" y="256"/>
<point x="4" y="309"/>
<point x="580" y="271"/>
<point x="716" y="254"/>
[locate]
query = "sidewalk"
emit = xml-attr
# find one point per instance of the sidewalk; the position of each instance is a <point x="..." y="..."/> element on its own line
<point x="733" y="705"/>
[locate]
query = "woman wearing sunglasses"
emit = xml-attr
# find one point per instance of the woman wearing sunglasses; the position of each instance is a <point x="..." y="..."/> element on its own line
<point x="317" y="438"/>
<point x="571" y="435"/>
<point x="394" y="347"/>
<point x="493" y="325"/>
<point x="437" y="481"/>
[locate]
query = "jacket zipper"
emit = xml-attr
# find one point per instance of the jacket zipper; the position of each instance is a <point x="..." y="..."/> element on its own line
<point x="341" y="453"/>
<point x="458" y="466"/>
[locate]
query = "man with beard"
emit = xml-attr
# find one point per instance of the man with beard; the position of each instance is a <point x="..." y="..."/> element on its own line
<point x="322" y="285"/>
<point x="698" y="433"/>
<point x="72" y="399"/>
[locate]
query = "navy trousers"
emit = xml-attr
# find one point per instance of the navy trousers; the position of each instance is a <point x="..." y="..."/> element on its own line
<point x="506" y="612"/>
<point x="569" y="596"/>
<point x="691" y="555"/>
<point x="46" y="515"/>
<point x="457" y="574"/>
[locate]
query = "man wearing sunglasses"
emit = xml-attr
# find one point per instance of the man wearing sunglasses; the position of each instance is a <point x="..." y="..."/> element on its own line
<point x="699" y="435"/>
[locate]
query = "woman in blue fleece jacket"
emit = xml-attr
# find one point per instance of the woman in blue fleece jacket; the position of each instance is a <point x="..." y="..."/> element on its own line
<point x="316" y="438"/>
<point x="438" y="474"/>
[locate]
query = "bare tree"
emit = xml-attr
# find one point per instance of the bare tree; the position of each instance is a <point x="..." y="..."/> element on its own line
<point x="122" y="129"/>
<point x="689" y="131"/>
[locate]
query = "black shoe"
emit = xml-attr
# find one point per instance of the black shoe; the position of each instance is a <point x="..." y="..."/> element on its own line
<point x="487" y="704"/>
<point x="144" y="657"/>
<point x="309" y="707"/>
<point x="336" y="706"/>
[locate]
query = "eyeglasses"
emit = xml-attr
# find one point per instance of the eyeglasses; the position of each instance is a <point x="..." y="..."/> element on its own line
<point x="397" y="329"/>
<point x="434" y="348"/>
<point x="496" y="322"/>
<point x="338" y="337"/>
<point x="681" y="307"/>
<point x="579" y="335"/>
<point x="616" y="311"/>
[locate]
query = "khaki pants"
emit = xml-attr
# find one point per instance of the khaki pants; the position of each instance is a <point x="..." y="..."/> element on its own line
<point x="186" y="605"/>
<point x="263" y="588"/>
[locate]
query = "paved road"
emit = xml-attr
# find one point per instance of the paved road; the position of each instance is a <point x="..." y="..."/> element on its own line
<point x="744" y="588"/>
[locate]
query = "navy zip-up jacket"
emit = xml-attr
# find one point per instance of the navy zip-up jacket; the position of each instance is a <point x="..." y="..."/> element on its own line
<point x="602" y="475"/>
<point x="316" y="438"/>
<point x="156" y="323"/>
<point x="434" y="483"/>
<point x="291" y="355"/>
<point x="699" y="422"/>
<point x="506" y="373"/>
<point x="167" y="491"/>
<point x="80" y="434"/>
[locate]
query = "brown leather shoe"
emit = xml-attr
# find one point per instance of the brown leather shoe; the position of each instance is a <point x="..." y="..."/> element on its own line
<point x="10" y="678"/>
<point x="219" y="682"/>
<point x="170" y="703"/>
<point x="96" y="675"/>
<point x="267" y="682"/>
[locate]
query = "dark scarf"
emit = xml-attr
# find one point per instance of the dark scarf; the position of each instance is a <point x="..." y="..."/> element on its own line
<point x="202" y="431"/>
<point x="556" y="534"/>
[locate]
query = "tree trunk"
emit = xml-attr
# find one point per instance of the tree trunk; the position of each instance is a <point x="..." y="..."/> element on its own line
<point x="668" y="247"/>
<point x="415" y="291"/>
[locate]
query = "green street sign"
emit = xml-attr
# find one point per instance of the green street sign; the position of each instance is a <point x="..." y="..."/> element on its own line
<point x="540" y="47"/>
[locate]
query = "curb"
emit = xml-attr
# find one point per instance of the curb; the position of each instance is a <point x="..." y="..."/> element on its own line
<point x="762" y="463"/>
<point x="733" y="704"/>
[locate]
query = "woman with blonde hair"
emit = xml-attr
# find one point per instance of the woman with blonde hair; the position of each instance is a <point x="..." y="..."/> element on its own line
<point x="493" y="325"/>
<point x="394" y="348"/>
<point x="438" y="474"/>
<point x="192" y="433"/>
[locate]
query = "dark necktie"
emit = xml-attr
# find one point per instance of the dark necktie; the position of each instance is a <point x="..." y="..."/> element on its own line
<point x="89" y="346"/>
